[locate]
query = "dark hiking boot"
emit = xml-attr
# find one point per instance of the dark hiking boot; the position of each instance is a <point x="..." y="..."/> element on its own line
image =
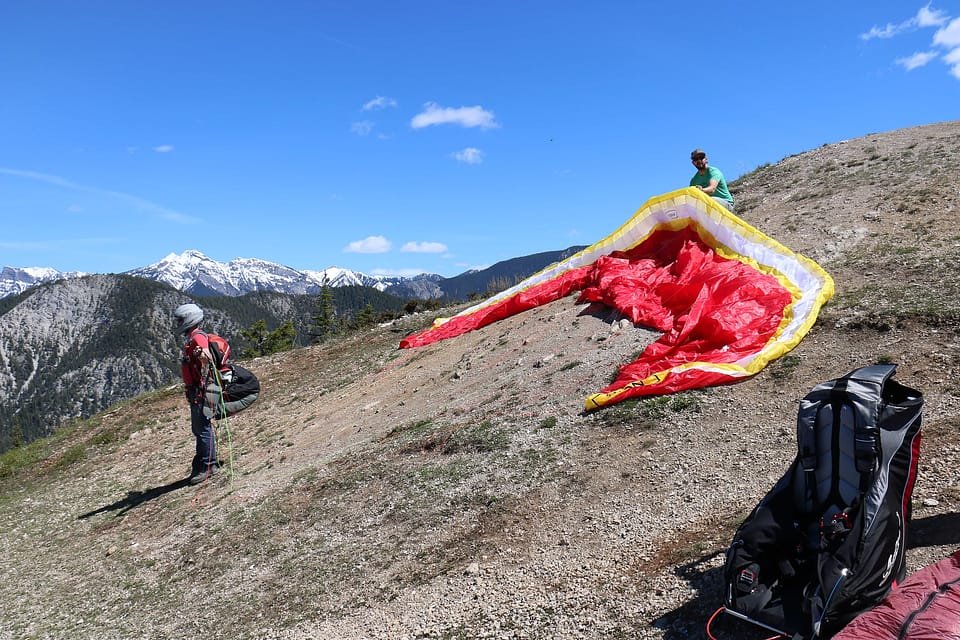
<point x="203" y="474"/>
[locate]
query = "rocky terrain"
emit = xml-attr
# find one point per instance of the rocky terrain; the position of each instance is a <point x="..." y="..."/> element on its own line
<point x="460" y="491"/>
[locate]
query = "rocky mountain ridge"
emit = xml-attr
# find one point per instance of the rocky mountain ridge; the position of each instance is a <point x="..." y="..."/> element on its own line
<point x="196" y="274"/>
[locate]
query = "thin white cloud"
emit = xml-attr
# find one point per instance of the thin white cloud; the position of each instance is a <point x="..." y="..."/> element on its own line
<point x="139" y="203"/>
<point x="371" y="244"/>
<point x="434" y="114"/>
<point x="42" y="177"/>
<point x="74" y="208"/>
<point x="916" y="60"/>
<point x="468" y="156"/>
<point x="948" y="36"/>
<point x="342" y="43"/>
<point x="380" y="102"/>
<point x="952" y="57"/>
<point x="876" y="32"/>
<point x="173" y="216"/>
<point x="28" y="246"/>
<point x="164" y="148"/>
<point x="946" y="39"/>
<point x="362" y="128"/>
<point x="926" y="17"/>
<point x="424" y="247"/>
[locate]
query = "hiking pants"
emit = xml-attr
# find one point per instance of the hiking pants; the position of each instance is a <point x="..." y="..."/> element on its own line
<point x="206" y="444"/>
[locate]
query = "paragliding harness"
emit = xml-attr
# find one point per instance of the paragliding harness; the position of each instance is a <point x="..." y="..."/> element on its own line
<point x="828" y="541"/>
<point x="231" y="388"/>
<point x="231" y="391"/>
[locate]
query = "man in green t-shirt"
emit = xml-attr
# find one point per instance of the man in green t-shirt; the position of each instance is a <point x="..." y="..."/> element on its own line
<point x="710" y="179"/>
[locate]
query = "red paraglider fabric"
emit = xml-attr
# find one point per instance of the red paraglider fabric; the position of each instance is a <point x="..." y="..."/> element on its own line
<point x="710" y="308"/>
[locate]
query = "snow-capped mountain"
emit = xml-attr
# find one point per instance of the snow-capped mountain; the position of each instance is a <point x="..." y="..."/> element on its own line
<point x="193" y="272"/>
<point x="338" y="277"/>
<point x="14" y="280"/>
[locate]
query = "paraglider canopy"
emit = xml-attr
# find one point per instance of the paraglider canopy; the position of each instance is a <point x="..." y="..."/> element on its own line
<point x="728" y="298"/>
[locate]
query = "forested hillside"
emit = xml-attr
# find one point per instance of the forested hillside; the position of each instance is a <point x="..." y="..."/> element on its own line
<point x="71" y="348"/>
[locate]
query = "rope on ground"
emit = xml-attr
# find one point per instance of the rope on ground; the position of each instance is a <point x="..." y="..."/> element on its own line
<point x="225" y="422"/>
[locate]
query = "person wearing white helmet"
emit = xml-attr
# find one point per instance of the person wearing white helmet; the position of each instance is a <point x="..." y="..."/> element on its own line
<point x="195" y="370"/>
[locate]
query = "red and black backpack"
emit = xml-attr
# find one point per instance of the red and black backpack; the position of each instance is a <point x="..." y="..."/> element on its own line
<point x="828" y="541"/>
<point x="219" y="350"/>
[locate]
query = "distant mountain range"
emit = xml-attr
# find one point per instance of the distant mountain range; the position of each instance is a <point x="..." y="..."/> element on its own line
<point x="194" y="273"/>
<point x="73" y="343"/>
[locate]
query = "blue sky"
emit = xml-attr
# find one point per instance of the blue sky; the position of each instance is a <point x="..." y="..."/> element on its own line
<point x="397" y="137"/>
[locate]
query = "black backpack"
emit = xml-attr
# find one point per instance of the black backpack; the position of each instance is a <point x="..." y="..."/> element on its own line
<point x="234" y="389"/>
<point x="828" y="541"/>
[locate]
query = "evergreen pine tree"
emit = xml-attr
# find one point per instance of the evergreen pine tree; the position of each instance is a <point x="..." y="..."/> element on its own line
<point x="324" y="321"/>
<point x="257" y="336"/>
<point x="366" y="316"/>
<point x="280" y="339"/>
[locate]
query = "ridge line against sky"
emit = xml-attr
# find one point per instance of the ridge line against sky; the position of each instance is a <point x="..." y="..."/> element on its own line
<point x="395" y="138"/>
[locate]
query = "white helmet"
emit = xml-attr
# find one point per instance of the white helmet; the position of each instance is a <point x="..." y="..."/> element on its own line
<point x="185" y="317"/>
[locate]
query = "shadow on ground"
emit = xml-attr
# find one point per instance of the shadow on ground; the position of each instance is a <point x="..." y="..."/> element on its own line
<point x="689" y="621"/>
<point x="136" y="498"/>
<point x="934" y="531"/>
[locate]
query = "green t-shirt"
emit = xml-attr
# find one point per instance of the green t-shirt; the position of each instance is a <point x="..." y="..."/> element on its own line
<point x="704" y="181"/>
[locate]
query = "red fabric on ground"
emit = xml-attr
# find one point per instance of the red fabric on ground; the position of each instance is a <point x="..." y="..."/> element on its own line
<point x="710" y="308"/>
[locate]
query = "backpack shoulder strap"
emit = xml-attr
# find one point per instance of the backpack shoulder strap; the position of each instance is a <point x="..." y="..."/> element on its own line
<point x="854" y="398"/>
<point x="865" y="393"/>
